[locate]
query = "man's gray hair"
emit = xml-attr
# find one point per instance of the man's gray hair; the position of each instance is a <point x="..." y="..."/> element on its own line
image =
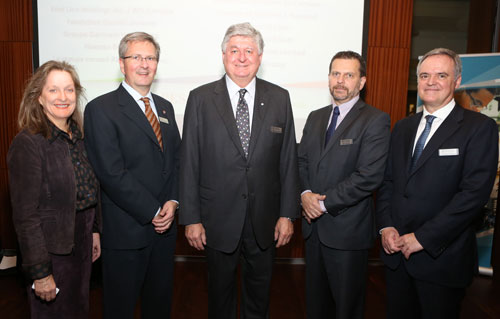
<point x="245" y="30"/>
<point x="447" y="52"/>
<point x="140" y="37"/>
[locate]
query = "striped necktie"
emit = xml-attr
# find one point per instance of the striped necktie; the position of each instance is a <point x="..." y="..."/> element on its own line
<point x="153" y="121"/>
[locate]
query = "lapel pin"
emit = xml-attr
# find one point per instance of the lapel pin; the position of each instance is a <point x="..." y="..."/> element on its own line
<point x="164" y="112"/>
<point x="261" y="103"/>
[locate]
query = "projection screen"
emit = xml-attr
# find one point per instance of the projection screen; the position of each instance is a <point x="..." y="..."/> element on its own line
<point x="300" y="36"/>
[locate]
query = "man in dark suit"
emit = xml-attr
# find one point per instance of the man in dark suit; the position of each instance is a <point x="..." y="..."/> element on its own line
<point x="239" y="177"/>
<point x="440" y="172"/>
<point x="133" y="144"/>
<point x="342" y="158"/>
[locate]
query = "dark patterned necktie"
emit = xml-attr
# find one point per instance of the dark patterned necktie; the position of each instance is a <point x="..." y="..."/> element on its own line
<point x="153" y="120"/>
<point x="333" y="124"/>
<point x="419" y="147"/>
<point x="243" y="121"/>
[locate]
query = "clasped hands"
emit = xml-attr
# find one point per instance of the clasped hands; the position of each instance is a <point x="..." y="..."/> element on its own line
<point x="165" y="217"/>
<point x="311" y="209"/>
<point x="393" y="243"/>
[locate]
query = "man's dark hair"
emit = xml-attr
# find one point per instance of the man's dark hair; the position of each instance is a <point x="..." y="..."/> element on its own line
<point x="351" y="55"/>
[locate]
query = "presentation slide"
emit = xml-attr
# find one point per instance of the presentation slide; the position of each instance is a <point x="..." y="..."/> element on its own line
<point x="300" y="36"/>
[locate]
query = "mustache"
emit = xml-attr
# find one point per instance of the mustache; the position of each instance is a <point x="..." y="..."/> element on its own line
<point x="340" y="87"/>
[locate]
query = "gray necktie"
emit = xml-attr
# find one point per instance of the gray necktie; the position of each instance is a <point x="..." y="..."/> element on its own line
<point x="419" y="147"/>
<point x="243" y="121"/>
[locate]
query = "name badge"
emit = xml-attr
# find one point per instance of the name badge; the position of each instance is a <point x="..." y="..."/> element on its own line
<point x="163" y="119"/>
<point x="276" y="129"/>
<point x="448" y="152"/>
<point x="347" y="141"/>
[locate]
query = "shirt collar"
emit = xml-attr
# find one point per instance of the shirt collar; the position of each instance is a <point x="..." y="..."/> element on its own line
<point x="55" y="132"/>
<point x="233" y="88"/>
<point x="443" y="112"/>
<point x="136" y="95"/>
<point x="344" y="108"/>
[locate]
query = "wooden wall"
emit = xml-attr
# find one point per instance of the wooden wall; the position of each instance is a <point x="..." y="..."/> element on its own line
<point x="388" y="58"/>
<point x="16" y="36"/>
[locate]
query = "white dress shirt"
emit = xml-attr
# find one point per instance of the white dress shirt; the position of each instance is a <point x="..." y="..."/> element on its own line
<point x="234" y="95"/>
<point x="440" y="115"/>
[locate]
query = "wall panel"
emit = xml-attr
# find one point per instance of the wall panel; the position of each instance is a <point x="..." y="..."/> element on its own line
<point x="16" y="37"/>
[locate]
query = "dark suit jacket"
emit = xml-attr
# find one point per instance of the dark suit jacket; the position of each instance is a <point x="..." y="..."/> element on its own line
<point x="43" y="195"/>
<point x="136" y="176"/>
<point x="347" y="171"/>
<point x="218" y="184"/>
<point x="442" y="196"/>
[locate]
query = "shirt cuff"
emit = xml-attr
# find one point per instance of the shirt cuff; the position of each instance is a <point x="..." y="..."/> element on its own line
<point x="322" y="205"/>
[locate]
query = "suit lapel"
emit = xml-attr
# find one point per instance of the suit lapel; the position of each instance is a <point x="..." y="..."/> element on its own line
<point x="223" y="105"/>
<point x="445" y="130"/>
<point x="130" y="108"/>
<point x="261" y="104"/>
<point x="322" y="126"/>
<point x="346" y="122"/>
<point x="409" y="139"/>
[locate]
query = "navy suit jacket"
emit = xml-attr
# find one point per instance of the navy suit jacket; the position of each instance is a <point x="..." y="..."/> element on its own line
<point x="442" y="196"/>
<point x="348" y="170"/>
<point x="219" y="186"/>
<point x="136" y="175"/>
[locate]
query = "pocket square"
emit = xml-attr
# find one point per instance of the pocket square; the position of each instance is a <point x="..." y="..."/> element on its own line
<point x="347" y="141"/>
<point x="163" y="119"/>
<point x="448" y="152"/>
<point x="276" y="129"/>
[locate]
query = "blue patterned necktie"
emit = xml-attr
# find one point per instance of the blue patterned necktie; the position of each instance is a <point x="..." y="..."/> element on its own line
<point x="333" y="123"/>
<point x="243" y="121"/>
<point x="419" y="147"/>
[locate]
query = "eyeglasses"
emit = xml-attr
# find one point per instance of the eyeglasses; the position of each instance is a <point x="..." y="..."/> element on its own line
<point x="138" y="58"/>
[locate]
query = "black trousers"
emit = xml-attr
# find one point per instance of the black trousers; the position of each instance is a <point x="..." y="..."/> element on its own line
<point x="335" y="281"/>
<point x="256" y="270"/>
<point x="410" y="298"/>
<point x="146" y="273"/>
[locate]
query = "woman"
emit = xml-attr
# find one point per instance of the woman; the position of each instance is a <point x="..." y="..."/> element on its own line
<point x="54" y="194"/>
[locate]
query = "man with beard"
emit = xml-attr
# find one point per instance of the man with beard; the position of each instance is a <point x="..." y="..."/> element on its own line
<point x="342" y="158"/>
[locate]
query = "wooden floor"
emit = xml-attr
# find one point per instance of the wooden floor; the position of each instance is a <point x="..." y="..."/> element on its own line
<point x="287" y="293"/>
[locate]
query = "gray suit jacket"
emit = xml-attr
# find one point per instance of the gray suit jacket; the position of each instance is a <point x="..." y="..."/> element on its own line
<point x="218" y="185"/>
<point x="347" y="171"/>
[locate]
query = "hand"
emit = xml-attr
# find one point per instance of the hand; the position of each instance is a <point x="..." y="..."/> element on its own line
<point x="310" y="204"/>
<point x="283" y="231"/>
<point x="305" y="216"/>
<point x="45" y="288"/>
<point x="389" y="237"/>
<point x="195" y="234"/>
<point x="96" y="246"/>
<point x="409" y="244"/>
<point x="165" y="217"/>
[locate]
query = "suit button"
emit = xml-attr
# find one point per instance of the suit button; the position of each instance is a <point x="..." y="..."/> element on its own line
<point x="247" y="169"/>
<point x="244" y="196"/>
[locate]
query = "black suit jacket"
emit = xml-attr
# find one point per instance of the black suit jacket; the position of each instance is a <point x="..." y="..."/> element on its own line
<point x="347" y="171"/>
<point x="136" y="176"/>
<point x="218" y="184"/>
<point x="441" y="197"/>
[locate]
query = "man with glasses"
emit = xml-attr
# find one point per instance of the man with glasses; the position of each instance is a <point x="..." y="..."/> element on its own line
<point x="132" y="142"/>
